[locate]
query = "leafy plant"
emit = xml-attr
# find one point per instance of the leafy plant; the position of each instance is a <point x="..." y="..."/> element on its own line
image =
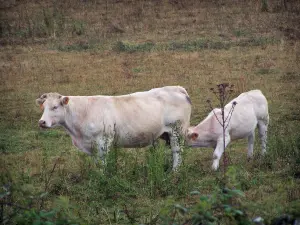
<point x="223" y="206"/>
<point x="28" y="213"/>
<point x="59" y="215"/>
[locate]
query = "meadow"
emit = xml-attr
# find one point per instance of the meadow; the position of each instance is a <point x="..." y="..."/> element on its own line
<point x="98" y="47"/>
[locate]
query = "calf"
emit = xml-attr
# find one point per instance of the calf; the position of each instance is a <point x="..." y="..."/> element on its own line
<point x="250" y="111"/>
<point x="130" y="121"/>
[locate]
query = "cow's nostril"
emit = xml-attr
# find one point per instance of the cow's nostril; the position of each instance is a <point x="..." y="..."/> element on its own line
<point x="42" y="122"/>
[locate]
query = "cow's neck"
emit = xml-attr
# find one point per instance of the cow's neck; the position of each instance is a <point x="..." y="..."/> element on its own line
<point x="70" y="129"/>
<point x="76" y="135"/>
<point x="71" y="125"/>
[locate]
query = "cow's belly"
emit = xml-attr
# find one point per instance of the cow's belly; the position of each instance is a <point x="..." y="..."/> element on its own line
<point x="242" y="124"/>
<point x="242" y="131"/>
<point x="135" y="140"/>
<point x="139" y="130"/>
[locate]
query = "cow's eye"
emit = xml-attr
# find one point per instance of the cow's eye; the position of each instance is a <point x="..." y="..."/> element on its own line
<point x="54" y="107"/>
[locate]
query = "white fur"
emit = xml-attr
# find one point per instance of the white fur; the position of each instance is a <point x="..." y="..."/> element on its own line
<point x="250" y="112"/>
<point x="133" y="120"/>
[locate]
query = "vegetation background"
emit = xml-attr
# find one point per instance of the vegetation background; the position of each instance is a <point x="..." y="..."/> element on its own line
<point x="111" y="47"/>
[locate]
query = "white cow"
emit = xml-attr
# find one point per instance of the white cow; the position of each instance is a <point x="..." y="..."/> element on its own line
<point x="251" y="110"/>
<point x="133" y="120"/>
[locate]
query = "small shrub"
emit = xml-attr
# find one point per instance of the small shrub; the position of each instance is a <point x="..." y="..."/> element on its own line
<point x="240" y="33"/>
<point x="54" y="21"/>
<point x="137" y="70"/>
<point x="78" y="27"/>
<point x="221" y="207"/>
<point x="197" y="45"/>
<point x="119" y="47"/>
<point x="263" y="71"/>
<point x="21" y="204"/>
<point x="79" y="46"/>
<point x="264" y="6"/>
<point x="156" y="170"/>
<point x="61" y="214"/>
<point x="256" y="41"/>
<point x="129" y="47"/>
<point x="290" y="76"/>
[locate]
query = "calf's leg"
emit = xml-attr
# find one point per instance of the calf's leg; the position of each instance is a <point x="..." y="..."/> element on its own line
<point x="219" y="151"/>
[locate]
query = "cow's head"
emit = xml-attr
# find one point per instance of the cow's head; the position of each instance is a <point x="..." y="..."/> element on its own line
<point x="53" y="105"/>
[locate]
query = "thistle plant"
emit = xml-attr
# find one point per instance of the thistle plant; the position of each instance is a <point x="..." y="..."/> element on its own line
<point x="223" y="92"/>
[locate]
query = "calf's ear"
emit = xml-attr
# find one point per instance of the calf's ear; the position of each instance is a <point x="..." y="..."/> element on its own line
<point x="65" y="100"/>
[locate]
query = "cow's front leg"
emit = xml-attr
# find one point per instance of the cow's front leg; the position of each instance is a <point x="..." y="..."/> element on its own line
<point x="103" y="145"/>
<point x="219" y="151"/>
<point x="175" y="146"/>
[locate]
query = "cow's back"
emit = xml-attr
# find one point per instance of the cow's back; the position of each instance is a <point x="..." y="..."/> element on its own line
<point x="251" y="99"/>
<point x="251" y="107"/>
<point x="259" y="102"/>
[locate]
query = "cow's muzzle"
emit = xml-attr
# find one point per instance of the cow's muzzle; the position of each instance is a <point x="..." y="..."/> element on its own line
<point x="42" y="124"/>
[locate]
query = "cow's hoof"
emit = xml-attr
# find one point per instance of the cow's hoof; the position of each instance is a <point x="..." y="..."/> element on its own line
<point x="215" y="166"/>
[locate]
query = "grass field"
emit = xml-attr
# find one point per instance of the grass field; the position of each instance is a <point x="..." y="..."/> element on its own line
<point x="118" y="47"/>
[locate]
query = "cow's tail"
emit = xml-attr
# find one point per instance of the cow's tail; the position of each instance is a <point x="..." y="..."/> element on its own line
<point x="267" y="119"/>
<point x="182" y="90"/>
<point x="186" y="122"/>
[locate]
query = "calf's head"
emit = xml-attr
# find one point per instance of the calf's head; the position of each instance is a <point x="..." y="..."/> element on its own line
<point x="199" y="137"/>
<point x="192" y="136"/>
<point x="53" y="105"/>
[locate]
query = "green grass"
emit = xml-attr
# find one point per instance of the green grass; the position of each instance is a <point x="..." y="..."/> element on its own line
<point x="191" y="45"/>
<point x="140" y="180"/>
<point x="128" y="47"/>
<point x="79" y="46"/>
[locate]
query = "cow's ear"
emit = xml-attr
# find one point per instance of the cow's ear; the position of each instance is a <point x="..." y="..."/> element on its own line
<point x="65" y="100"/>
<point x="194" y="136"/>
<point x="40" y="101"/>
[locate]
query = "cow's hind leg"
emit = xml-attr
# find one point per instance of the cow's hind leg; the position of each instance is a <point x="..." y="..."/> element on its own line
<point x="251" y="138"/>
<point x="175" y="137"/>
<point x="263" y="130"/>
